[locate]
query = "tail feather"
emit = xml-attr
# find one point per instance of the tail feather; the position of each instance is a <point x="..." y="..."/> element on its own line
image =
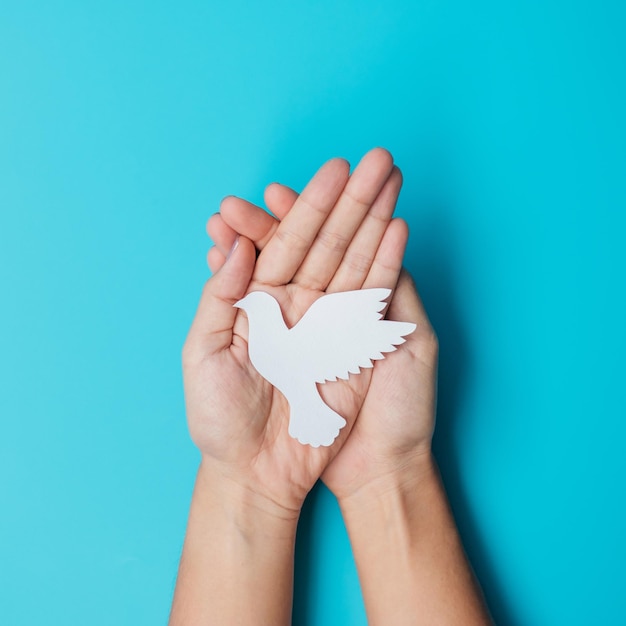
<point x="313" y="422"/>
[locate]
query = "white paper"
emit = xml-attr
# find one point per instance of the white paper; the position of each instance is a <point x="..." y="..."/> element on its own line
<point x="341" y="333"/>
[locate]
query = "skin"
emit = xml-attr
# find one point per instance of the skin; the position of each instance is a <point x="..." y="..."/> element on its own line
<point x="337" y="235"/>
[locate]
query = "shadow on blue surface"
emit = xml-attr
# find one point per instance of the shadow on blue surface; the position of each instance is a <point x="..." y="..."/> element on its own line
<point x="430" y="258"/>
<point x="304" y="558"/>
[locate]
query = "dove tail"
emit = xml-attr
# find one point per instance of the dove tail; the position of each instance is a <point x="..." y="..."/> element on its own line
<point x="312" y="422"/>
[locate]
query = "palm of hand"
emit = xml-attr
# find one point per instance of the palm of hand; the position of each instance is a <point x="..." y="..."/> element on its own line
<point x="240" y="421"/>
<point x="255" y="433"/>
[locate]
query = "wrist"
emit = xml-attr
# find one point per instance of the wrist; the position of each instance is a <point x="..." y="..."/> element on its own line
<point x="398" y="483"/>
<point x="244" y="507"/>
<point x="235" y="540"/>
<point x="407" y="549"/>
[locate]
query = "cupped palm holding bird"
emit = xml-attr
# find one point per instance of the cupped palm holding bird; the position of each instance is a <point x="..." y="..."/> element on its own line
<point x="339" y="236"/>
<point x="339" y="335"/>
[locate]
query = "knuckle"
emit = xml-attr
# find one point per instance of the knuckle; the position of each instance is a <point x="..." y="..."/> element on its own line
<point x="314" y="207"/>
<point x="333" y="241"/>
<point x="379" y="216"/>
<point x="308" y="279"/>
<point x="361" y="204"/>
<point x="291" y="239"/>
<point x="358" y="262"/>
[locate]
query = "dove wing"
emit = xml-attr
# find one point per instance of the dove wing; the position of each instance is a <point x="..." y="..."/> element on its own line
<point x="343" y="332"/>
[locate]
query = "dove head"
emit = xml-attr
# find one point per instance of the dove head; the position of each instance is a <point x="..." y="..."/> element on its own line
<point x="262" y="310"/>
<point x="255" y="301"/>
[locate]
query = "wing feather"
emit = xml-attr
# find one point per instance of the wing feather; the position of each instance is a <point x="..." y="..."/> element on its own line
<point x="344" y="332"/>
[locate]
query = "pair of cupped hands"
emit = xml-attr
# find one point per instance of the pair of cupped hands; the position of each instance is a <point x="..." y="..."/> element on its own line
<point x="339" y="234"/>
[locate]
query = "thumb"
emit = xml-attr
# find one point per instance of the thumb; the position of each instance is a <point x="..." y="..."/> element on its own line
<point x="212" y="328"/>
<point x="406" y="305"/>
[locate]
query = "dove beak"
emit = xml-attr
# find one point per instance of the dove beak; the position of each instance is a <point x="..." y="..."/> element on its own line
<point x="239" y="304"/>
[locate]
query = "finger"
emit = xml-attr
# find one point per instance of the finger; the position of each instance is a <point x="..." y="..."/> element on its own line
<point x="248" y="220"/>
<point x="334" y="237"/>
<point x="406" y="306"/>
<point x="285" y="251"/>
<point x="212" y="328"/>
<point x="221" y="233"/>
<point x="358" y="258"/>
<point x="387" y="263"/>
<point x="280" y="199"/>
<point x="252" y="221"/>
<point x="215" y="259"/>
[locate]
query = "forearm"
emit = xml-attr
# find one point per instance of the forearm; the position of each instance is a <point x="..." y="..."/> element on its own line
<point x="237" y="561"/>
<point x="411" y="563"/>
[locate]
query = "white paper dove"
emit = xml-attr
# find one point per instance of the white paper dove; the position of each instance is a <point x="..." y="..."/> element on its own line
<point x="339" y="334"/>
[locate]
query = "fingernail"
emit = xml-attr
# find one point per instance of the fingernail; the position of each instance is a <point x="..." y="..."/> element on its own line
<point x="233" y="248"/>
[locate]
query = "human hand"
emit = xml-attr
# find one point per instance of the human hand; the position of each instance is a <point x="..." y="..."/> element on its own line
<point x="338" y="236"/>
<point x="390" y="443"/>
<point x="394" y="429"/>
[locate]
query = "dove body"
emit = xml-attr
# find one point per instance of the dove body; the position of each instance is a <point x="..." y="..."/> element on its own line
<point x="269" y="343"/>
<point x="339" y="334"/>
<point x="276" y="353"/>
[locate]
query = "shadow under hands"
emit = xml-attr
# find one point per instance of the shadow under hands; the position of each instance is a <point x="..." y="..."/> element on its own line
<point x="431" y="259"/>
<point x="301" y="610"/>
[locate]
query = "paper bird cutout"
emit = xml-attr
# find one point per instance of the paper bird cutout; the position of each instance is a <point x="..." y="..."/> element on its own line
<point x="338" y="335"/>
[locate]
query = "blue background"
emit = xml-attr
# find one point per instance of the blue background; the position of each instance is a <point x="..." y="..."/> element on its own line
<point x="121" y="127"/>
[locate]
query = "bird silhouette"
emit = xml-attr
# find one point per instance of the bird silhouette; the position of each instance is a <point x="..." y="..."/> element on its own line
<point x="338" y="335"/>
